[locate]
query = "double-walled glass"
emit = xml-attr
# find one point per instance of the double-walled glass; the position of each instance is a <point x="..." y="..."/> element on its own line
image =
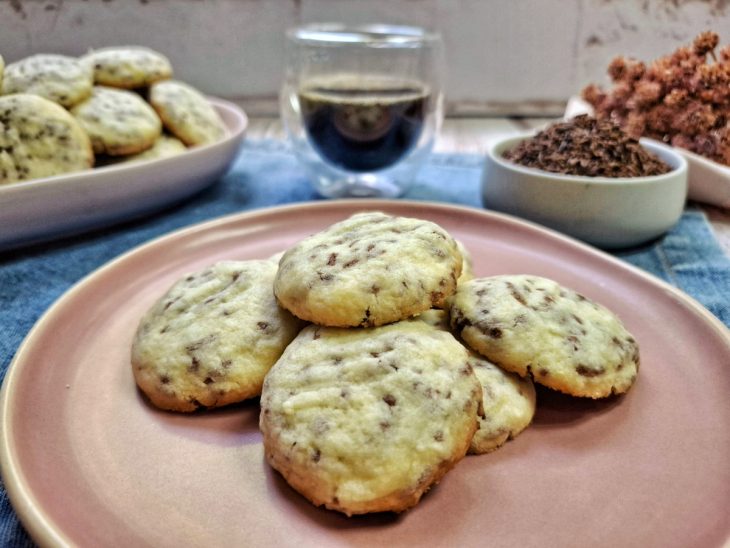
<point x="362" y="105"/>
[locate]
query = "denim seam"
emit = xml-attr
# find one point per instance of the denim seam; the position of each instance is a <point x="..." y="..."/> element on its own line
<point x="667" y="266"/>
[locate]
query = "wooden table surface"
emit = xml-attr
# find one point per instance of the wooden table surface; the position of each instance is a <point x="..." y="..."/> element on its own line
<point x="472" y="135"/>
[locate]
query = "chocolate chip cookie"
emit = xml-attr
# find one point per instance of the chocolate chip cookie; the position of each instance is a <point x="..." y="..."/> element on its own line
<point x="367" y="420"/>
<point x="369" y="270"/>
<point x="534" y="326"/>
<point x="211" y="339"/>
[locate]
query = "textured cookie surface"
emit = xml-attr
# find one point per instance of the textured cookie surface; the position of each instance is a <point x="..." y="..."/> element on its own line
<point x="119" y="122"/>
<point x="533" y="326"/>
<point x="164" y="147"/>
<point x="276" y="257"/>
<point x="436" y="318"/>
<point x="366" y="420"/>
<point x="508" y="401"/>
<point x="186" y="113"/>
<point x="367" y="270"/>
<point x="127" y="67"/>
<point x="2" y="70"/>
<point x="39" y="138"/>
<point x="211" y="339"/>
<point x="467" y="265"/>
<point x="58" y="78"/>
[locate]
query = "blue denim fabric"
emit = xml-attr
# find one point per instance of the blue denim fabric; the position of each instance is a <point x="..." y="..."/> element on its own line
<point x="265" y="175"/>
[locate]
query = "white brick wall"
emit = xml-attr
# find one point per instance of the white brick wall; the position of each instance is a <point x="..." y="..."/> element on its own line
<point x="516" y="56"/>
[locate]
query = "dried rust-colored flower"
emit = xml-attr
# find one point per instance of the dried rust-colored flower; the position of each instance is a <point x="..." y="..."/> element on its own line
<point x="682" y="98"/>
<point x="705" y="43"/>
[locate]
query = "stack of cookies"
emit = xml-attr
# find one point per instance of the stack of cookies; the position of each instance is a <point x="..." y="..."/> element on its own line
<point x="379" y="360"/>
<point x="61" y="114"/>
<point x="368" y="407"/>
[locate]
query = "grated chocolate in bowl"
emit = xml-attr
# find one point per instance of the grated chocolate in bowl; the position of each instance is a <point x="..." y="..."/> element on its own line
<point x="589" y="147"/>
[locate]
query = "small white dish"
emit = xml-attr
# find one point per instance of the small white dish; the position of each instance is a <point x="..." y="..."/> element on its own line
<point x="606" y="212"/>
<point x="709" y="182"/>
<point x="44" y="209"/>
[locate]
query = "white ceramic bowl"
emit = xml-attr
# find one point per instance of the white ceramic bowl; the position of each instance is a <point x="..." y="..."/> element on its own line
<point x="606" y="212"/>
<point x="71" y="203"/>
<point x="707" y="181"/>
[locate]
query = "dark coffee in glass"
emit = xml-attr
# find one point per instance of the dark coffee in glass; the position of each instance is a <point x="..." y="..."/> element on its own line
<point x="363" y="123"/>
<point x="362" y="105"/>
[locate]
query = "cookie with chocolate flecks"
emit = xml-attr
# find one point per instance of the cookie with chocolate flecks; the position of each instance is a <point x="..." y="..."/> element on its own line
<point x="534" y="326"/>
<point x="508" y="400"/>
<point x="436" y="317"/>
<point x="368" y="270"/>
<point x="127" y="67"/>
<point x="58" y="78"/>
<point x="118" y="122"/>
<point x="186" y="113"/>
<point x="467" y="265"/>
<point x="367" y="420"/>
<point x="166" y="146"/>
<point x="39" y="138"/>
<point x="212" y="337"/>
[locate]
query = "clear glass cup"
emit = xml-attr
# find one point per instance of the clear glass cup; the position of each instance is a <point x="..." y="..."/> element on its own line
<point x="362" y="105"/>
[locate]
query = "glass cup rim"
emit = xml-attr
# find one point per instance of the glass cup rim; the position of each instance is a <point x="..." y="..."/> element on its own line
<point x="368" y="35"/>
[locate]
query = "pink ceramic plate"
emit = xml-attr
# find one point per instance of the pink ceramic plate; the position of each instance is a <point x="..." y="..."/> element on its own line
<point x="88" y="462"/>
